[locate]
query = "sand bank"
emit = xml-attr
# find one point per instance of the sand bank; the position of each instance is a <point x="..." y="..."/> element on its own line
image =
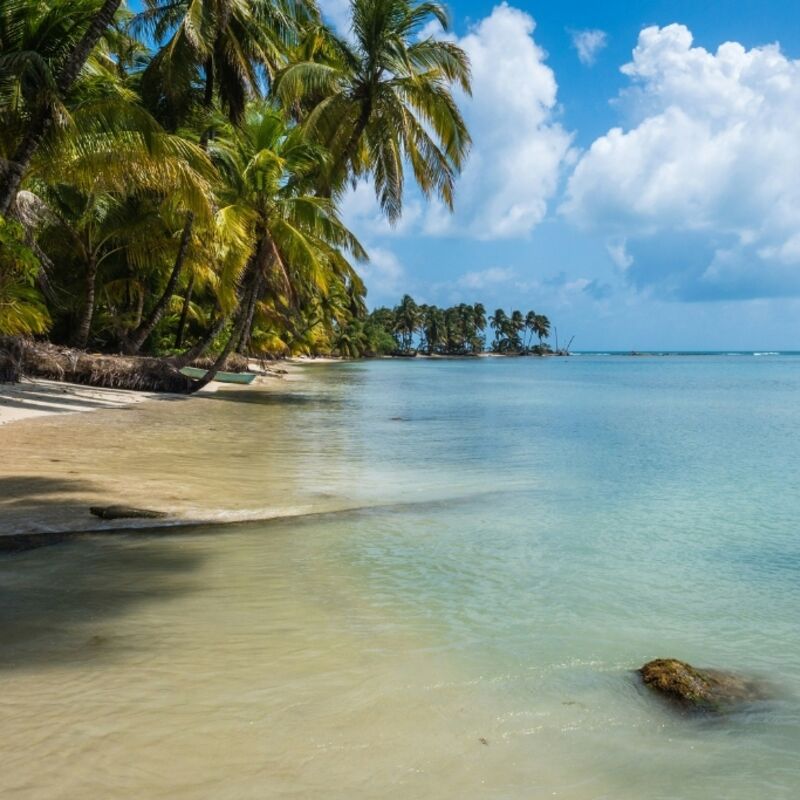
<point x="223" y="455"/>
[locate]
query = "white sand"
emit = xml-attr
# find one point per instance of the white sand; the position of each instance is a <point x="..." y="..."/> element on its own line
<point x="36" y="398"/>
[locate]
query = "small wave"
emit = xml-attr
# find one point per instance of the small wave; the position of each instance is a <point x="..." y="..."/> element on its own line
<point x="768" y="353"/>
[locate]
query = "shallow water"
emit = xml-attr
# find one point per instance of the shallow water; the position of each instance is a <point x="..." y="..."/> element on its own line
<point x="528" y="533"/>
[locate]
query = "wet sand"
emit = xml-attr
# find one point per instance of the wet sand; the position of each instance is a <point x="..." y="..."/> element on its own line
<point x="191" y="457"/>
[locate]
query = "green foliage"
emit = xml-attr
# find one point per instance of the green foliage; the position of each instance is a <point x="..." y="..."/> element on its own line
<point x="182" y="191"/>
<point x="458" y="330"/>
<point x="22" y="307"/>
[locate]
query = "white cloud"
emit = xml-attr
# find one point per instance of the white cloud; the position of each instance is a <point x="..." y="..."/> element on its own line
<point x="702" y="190"/>
<point x="588" y="43"/>
<point x="518" y="146"/>
<point x="486" y="277"/>
<point x="383" y="274"/>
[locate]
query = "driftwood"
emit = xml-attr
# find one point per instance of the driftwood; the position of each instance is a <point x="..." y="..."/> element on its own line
<point x="28" y="358"/>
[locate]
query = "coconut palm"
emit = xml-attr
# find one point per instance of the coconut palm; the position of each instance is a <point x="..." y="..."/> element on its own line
<point x="216" y="49"/>
<point x="387" y="101"/>
<point x="296" y="243"/>
<point x="43" y="48"/>
<point x="541" y="327"/>
<point x="112" y="152"/>
<point x="227" y="47"/>
<point x="498" y="321"/>
<point x="434" y="328"/>
<point x="407" y="318"/>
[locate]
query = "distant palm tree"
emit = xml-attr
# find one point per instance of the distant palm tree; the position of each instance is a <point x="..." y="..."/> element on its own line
<point x="435" y="328"/>
<point x="387" y="102"/>
<point x="407" y="320"/>
<point x="516" y="325"/>
<point x="541" y="327"/>
<point x="499" y="322"/>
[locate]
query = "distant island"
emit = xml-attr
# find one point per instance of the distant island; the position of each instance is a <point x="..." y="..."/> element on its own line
<point x="410" y="329"/>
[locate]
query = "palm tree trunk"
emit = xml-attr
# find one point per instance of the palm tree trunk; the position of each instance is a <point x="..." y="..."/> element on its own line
<point x="187" y="301"/>
<point x="81" y="337"/>
<point x="15" y="170"/>
<point x="199" y="350"/>
<point x="236" y="333"/>
<point x="139" y="336"/>
<point x="244" y="341"/>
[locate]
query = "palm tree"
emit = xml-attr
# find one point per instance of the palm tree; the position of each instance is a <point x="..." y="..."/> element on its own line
<point x="407" y="319"/>
<point x="516" y="324"/>
<point x="113" y="152"/>
<point x="541" y="327"/>
<point x="387" y="101"/>
<point x="499" y="322"/>
<point x="52" y="63"/>
<point x="295" y="242"/>
<point x="434" y="328"/>
<point x="226" y="46"/>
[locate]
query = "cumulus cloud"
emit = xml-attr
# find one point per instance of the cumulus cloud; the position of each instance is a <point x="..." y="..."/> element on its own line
<point x="588" y="43"/>
<point x="518" y="144"/>
<point x="383" y="274"/>
<point x="699" y="198"/>
<point x="480" y="279"/>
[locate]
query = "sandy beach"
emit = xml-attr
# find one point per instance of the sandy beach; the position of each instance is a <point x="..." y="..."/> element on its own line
<point x="142" y="449"/>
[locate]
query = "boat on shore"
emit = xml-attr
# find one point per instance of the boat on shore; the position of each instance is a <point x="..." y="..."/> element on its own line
<point x="222" y="377"/>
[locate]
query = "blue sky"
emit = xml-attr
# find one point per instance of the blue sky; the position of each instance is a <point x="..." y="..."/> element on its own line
<point x="634" y="175"/>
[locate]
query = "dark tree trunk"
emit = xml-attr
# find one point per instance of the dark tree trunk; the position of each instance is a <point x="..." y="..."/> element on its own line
<point x="187" y="301"/>
<point x="244" y="341"/>
<point x="199" y="350"/>
<point x="137" y="339"/>
<point x="248" y="290"/>
<point x="81" y="338"/>
<point x="238" y="327"/>
<point x="14" y="171"/>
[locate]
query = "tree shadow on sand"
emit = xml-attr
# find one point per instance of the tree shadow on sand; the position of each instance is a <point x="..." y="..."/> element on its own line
<point x="58" y="605"/>
<point x="39" y="498"/>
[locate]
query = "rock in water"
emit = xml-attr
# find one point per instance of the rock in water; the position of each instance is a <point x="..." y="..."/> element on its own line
<point x="125" y="512"/>
<point x="699" y="689"/>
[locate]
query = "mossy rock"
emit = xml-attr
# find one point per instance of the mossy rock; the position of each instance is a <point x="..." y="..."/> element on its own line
<point x="699" y="689"/>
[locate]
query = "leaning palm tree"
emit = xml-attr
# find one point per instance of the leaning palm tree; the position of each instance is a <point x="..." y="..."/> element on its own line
<point x="229" y="48"/>
<point x="386" y="102"/>
<point x="295" y="240"/>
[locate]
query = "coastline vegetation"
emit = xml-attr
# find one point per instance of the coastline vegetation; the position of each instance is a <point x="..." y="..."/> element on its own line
<point x="409" y="329"/>
<point x="170" y="179"/>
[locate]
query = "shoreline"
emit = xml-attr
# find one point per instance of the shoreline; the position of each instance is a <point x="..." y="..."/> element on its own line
<point x="61" y="460"/>
<point x="34" y="398"/>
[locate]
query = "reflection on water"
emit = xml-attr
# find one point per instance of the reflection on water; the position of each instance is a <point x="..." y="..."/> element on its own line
<point x="533" y="532"/>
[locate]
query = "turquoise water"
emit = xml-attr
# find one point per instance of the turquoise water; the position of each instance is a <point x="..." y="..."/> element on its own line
<point x="530" y="531"/>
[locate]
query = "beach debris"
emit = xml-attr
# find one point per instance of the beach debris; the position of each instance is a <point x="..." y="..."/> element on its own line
<point x="125" y="512"/>
<point x="35" y="359"/>
<point x="483" y="740"/>
<point x="699" y="689"/>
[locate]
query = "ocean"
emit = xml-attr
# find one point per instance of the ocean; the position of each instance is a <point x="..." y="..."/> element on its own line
<point x="487" y="550"/>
